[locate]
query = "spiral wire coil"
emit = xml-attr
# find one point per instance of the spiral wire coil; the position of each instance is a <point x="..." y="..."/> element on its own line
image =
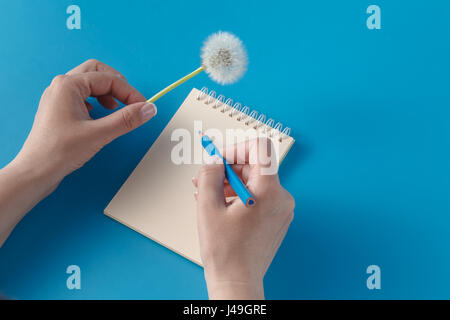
<point x="243" y="114"/>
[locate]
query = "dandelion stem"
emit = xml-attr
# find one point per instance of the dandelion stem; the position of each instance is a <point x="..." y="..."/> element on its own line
<point x="175" y="84"/>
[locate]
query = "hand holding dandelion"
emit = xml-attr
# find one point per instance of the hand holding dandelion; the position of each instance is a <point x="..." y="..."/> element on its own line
<point x="224" y="59"/>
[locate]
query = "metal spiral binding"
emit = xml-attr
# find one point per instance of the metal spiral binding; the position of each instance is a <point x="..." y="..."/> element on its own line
<point x="243" y="114"/>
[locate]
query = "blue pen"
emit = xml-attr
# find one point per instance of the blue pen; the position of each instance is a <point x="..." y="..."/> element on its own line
<point x="247" y="198"/>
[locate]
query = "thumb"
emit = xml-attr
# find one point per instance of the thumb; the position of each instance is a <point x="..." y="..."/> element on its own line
<point x="211" y="177"/>
<point x="126" y="119"/>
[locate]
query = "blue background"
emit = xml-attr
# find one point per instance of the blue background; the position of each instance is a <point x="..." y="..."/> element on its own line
<point x="370" y="169"/>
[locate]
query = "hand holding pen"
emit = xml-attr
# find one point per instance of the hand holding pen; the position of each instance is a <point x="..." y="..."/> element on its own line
<point x="233" y="179"/>
<point x="237" y="242"/>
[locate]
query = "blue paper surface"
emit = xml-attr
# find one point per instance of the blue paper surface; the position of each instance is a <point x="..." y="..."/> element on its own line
<point x="370" y="169"/>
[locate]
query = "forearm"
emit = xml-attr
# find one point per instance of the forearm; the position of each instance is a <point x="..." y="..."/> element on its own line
<point x="21" y="188"/>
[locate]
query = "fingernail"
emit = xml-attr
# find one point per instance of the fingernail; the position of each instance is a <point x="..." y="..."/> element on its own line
<point x="213" y="159"/>
<point x="194" y="180"/>
<point x="148" y="110"/>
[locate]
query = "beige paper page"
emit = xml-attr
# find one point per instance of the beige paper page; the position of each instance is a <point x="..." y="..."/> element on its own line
<point x="157" y="200"/>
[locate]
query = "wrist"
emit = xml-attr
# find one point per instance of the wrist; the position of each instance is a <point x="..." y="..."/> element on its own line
<point x="21" y="188"/>
<point x="229" y="284"/>
<point x="235" y="290"/>
<point x="41" y="177"/>
<point x="233" y="281"/>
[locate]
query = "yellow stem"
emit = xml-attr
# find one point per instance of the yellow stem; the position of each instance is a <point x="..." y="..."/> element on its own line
<point x="175" y="84"/>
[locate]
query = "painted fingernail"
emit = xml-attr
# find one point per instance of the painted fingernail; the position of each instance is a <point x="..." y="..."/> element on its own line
<point x="194" y="180"/>
<point x="148" y="110"/>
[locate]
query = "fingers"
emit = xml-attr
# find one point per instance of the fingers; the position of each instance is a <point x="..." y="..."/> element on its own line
<point x="108" y="102"/>
<point x="88" y="106"/>
<point x="258" y="155"/>
<point x="255" y="163"/>
<point x="98" y="84"/>
<point x="124" y="120"/>
<point x="210" y="181"/>
<point x="94" y="65"/>
<point x="227" y="189"/>
<point x="107" y="86"/>
<point x="238" y="153"/>
<point x="255" y="152"/>
<point x="250" y="159"/>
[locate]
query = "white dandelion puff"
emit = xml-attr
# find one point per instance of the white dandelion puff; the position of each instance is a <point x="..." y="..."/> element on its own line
<point x="224" y="57"/>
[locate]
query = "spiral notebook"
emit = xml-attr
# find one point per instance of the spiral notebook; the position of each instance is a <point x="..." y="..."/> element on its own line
<point x="157" y="200"/>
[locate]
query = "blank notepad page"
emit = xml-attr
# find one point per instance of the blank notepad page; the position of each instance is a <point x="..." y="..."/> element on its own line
<point x="157" y="200"/>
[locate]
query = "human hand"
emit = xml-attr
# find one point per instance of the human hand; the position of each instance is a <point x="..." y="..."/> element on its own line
<point x="238" y="243"/>
<point x="64" y="136"/>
